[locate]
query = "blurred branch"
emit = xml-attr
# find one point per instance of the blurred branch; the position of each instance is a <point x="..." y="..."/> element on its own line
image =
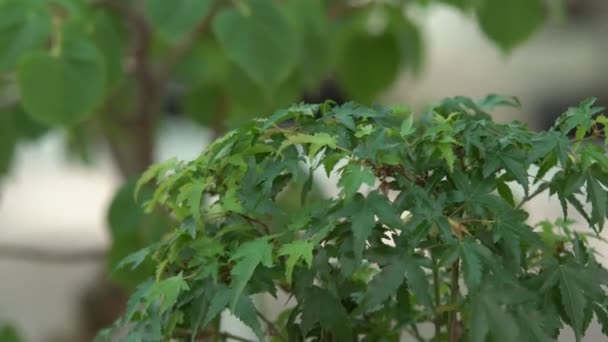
<point x="48" y="256"/>
<point x="142" y="123"/>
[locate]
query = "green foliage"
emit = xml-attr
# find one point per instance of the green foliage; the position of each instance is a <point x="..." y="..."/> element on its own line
<point x="75" y="60"/>
<point x="410" y="237"/>
<point x="8" y="334"/>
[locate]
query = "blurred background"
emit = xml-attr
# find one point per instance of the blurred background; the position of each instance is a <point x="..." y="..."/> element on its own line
<point x="93" y="92"/>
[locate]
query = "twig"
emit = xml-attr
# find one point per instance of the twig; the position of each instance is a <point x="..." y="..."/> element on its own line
<point x="47" y="256"/>
<point x="272" y="329"/>
<point x="266" y="227"/>
<point x="455" y="292"/>
<point x="416" y="333"/>
<point x="541" y="188"/>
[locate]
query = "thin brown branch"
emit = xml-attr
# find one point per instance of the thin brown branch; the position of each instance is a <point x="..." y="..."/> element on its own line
<point x="49" y="256"/>
<point x="541" y="188"/>
<point x="272" y="329"/>
<point x="142" y="123"/>
<point x="266" y="227"/>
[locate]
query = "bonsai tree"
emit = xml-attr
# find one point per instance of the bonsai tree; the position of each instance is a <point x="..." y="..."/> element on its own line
<point x="426" y="228"/>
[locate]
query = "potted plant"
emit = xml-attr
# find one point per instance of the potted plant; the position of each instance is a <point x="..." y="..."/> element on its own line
<point x="425" y="228"/>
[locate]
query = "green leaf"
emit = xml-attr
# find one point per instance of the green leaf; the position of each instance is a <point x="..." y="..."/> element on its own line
<point x="384" y="284"/>
<point x="572" y="298"/>
<point x="219" y="300"/>
<point x="418" y="282"/>
<point x="596" y="195"/>
<point x="505" y="192"/>
<point x="446" y="152"/>
<point x="353" y="176"/>
<point x="363" y="80"/>
<point x="273" y="56"/>
<point x="316" y="142"/>
<point x="295" y="251"/>
<point x="248" y="256"/>
<point x="176" y="18"/>
<point x="24" y="26"/>
<point x="65" y="86"/>
<point x="322" y="308"/>
<point x="135" y="259"/>
<point x="246" y="311"/>
<point x="489" y="318"/>
<point x="167" y="291"/>
<point x="471" y="266"/>
<point x="362" y="222"/>
<point x="509" y="23"/>
<point x="602" y="317"/>
<point x="192" y="193"/>
<point x="494" y="100"/>
<point x="407" y="126"/>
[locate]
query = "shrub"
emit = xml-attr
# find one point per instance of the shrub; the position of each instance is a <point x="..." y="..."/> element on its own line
<point x="425" y="227"/>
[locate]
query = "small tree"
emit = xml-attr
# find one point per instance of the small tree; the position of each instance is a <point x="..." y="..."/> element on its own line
<point x="425" y="228"/>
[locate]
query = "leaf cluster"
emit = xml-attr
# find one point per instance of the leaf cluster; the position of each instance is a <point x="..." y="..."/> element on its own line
<point x="427" y="227"/>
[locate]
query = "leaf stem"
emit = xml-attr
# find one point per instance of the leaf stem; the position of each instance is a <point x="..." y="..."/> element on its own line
<point x="272" y="329"/>
<point x="536" y="192"/>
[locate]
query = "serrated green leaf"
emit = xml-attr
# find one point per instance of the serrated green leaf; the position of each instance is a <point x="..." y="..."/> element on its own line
<point x="246" y="312"/>
<point x="384" y="284"/>
<point x="295" y="251"/>
<point x="322" y="308"/>
<point x="471" y="266"/>
<point x="362" y="222"/>
<point x="489" y="318"/>
<point x="572" y="299"/>
<point x="248" y="256"/>
<point x="596" y="195"/>
<point x="315" y="141"/>
<point x="353" y="176"/>
<point x="417" y="281"/>
<point x="167" y="291"/>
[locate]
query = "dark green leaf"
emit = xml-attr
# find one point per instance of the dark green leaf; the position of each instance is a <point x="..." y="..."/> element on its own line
<point x="322" y="308"/>
<point x="509" y="23"/>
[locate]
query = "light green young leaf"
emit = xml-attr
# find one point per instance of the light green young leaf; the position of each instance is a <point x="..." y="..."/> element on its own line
<point x="295" y="251"/>
<point x="353" y="176"/>
<point x="167" y="291"/>
<point x="315" y="141"/>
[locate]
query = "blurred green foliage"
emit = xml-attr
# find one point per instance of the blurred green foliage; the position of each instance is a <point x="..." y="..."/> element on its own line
<point x="102" y="69"/>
